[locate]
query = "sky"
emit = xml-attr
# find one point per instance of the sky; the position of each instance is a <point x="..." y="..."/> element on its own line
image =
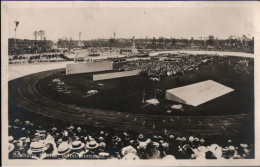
<point x="128" y="22"/>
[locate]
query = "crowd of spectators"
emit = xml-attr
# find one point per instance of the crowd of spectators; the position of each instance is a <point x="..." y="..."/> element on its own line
<point x="166" y="68"/>
<point x="35" y="141"/>
<point x="38" y="58"/>
<point x="101" y="50"/>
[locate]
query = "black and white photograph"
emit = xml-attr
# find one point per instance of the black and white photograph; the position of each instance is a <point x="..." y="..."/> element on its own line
<point x="96" y="82"/>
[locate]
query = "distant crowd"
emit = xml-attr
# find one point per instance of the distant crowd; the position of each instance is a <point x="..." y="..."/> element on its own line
<point x="38" y="58"/>
<point x="166" y="68"/>
<point x="31" y="140"/>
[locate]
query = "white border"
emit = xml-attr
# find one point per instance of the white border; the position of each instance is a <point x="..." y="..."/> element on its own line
<point x="4" y="64"/>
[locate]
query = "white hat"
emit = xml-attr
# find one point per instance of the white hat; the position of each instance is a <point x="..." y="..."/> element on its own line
<point x="10" y="147"/>
<point x="36" y="147"/>
<point x="128" y="149"/>
<point x="142" y="145"/>
<point x="76" y="145"/>
<point x="196" y="139"/>
<point x="10" y="139"/>
<point x="165" y="145"/>
<point x="171" y="136"/>
<point x="79" y="129"/>
<point x="169" y="157"/>
<point x="156" y="144"/>
<point x="191" y="138"/>
<point x="92" y="145"/>
<point x="231" y="148"/>
<point x="63" y="148"/>
<point x="130" y="156"/>
<point x="243" y="145"/>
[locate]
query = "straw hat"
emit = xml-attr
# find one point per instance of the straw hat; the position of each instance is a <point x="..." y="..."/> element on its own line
<point x="92" y="145"/>
<point x="128" y="149"/>
<point x="36" y="147"/>
<point x="169" y="157"/>
<point x="130" y="156"/>
<point x="10" y="147"/>
<point x="243" y="145"/>
<point x="76" y="145"/>
<point x="10" y="139"/>
<point x="63" y="148"/>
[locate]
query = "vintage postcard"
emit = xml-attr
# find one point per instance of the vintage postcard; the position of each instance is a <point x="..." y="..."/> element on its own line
<point x="130" y="83"/>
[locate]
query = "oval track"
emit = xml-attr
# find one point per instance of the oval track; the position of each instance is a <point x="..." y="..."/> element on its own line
<point x="26" y="93"/>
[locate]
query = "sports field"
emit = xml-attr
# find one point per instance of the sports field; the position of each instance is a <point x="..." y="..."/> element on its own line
<point x="126" y="94"/>
<point x="118" y="103"/>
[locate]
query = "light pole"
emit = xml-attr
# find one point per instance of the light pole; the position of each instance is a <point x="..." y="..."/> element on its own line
<point x="16" y="25"/>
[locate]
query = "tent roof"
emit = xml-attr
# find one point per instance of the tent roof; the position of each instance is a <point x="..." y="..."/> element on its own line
<point x="201" y="92"/>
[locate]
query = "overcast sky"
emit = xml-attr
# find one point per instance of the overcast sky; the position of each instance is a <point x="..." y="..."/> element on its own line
<point x="127" y="22"/>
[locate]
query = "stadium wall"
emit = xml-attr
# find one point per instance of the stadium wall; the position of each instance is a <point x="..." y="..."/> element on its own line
<point x="88" y="67"/>
<point x="115" y="75"/>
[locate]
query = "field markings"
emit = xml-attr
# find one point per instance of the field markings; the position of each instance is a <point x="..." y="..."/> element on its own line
<point x="211" y="125"/>
<point x="145" y="105"/>
<point x="245" y="69"/>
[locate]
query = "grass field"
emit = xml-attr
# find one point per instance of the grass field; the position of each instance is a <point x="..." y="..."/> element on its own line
<point x="126" y="94"/>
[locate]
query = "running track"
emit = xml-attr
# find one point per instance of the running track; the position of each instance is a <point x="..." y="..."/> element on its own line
<point x="26" y="93"/>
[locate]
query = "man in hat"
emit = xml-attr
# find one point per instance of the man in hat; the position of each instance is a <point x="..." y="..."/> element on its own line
<point x="76" y="150"/>
<point x="63" y="150"/>
<point x="92" y="153"/>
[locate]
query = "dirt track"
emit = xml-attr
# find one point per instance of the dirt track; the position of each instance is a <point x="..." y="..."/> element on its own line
<point x="26" y="93"/>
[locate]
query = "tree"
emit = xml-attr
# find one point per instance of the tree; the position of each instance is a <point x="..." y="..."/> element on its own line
<point x="210" y="40"/>
<point x="41" y="33"/>
<point x="35" y="34"/>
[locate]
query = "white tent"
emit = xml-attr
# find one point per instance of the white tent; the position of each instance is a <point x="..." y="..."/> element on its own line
<point x="198" y="93"/>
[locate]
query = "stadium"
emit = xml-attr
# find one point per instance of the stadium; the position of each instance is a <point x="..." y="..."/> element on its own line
<point x="114" y="96"/>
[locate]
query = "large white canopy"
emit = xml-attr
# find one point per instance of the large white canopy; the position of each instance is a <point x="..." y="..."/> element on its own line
<point x="198" y="93"/>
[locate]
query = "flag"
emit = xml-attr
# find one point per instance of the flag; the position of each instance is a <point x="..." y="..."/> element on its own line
<point x="16" y="24"/>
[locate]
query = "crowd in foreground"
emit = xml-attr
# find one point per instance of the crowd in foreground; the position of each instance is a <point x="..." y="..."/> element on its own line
<point x="30" y="141"/>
